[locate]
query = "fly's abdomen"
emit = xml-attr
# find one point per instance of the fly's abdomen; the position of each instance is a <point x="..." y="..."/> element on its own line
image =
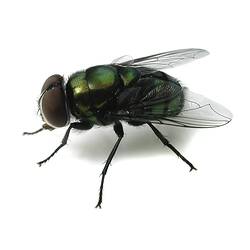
<point x="169" y="97"/>
<point x="160" y="95"/>
<point x="153" y="97"/>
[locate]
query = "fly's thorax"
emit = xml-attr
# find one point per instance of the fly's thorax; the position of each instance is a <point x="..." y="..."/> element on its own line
<point x="129" y="75"/>
<point x="89" y="91"/>
<point x="103" y="83"/>
<point x="77" y="91"/>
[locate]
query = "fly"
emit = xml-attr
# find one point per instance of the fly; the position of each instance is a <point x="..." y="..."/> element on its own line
<point x="132" y="90"/>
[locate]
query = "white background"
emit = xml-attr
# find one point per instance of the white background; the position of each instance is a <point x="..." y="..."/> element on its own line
<point x="151" y="201"/>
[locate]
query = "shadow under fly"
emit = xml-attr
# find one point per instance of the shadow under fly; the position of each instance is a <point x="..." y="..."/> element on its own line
<point x="137" y="142"/>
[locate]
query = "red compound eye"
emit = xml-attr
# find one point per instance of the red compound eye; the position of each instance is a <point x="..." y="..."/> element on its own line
<point x="53" y="102"/>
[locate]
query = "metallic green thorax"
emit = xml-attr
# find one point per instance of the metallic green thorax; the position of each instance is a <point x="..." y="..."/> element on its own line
<point x="128" y="75"/>
<point x="91" y="90"/>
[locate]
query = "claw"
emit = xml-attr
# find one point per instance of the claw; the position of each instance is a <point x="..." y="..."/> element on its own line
<point x="192" y="168"/>
<point x="98" y="206"/>
<point x="40" y="163"/>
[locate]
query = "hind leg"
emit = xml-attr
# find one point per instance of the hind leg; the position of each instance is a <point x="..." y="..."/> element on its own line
<point x="167" y="143"/>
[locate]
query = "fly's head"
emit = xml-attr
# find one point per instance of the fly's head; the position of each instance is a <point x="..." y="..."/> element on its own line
<point x="53" y="103"/>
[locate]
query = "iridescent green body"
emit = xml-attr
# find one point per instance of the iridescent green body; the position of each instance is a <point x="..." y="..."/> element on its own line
<point x="128" y="90"/>
<point x="100" y="90"/>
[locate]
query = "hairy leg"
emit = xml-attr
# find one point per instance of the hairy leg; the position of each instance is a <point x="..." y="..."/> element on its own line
<point x="167" y="143"/>
<point x="74" y="125"/>
<point x="119" y="131"/>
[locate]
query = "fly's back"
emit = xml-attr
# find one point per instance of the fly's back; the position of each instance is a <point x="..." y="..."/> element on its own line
<point x="90" y="90"/>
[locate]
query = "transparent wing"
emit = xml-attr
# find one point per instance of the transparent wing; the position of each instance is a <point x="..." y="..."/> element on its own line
<point x="122" y="59"/>
<point x="199" y="112"/>
<point x="163" y="60"/>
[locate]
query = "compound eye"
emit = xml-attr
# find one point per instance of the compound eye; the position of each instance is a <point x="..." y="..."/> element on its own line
<point x="52" y="103"/>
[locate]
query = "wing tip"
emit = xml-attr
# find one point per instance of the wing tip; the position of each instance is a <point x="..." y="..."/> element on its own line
<point x="201" y="53"/>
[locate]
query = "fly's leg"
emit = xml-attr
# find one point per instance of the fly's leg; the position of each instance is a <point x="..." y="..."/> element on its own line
<point x="75" y="125"/>
<point x="119" y="131"/>
<point x="167" y="143"/>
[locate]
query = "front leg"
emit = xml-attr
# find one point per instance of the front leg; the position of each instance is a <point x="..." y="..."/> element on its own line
<point x="74" y="125"/>
<point x="119" y="131"/>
